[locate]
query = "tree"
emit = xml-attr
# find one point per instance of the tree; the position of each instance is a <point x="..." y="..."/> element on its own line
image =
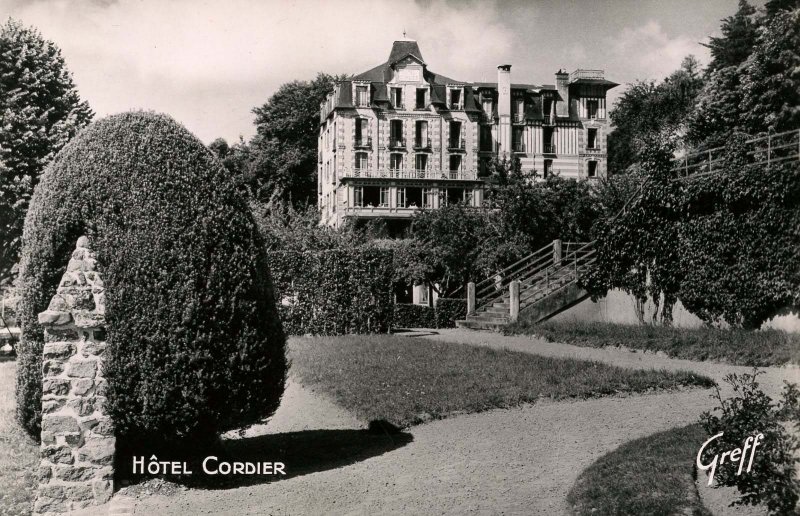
<point x="737" y="40"/>
<point x="40" y="110"/>
<point x="283" y="161"/>
<point x="647" y="108"/>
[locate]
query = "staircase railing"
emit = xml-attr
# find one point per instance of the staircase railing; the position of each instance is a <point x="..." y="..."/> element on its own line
<point x="555" y="261"/>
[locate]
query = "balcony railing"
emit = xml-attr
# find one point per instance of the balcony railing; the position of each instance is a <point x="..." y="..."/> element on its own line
<point x="549" y="148"/>
<point x="519" y="118"/>
<point x="397" y="143"/>
<point x="391" y="173"/>
<point x="362" y="143"/>
<point x="518" y="146"/>
<point x="422" y="143"/>
<point x="548" y="120"/>
<point x="456" y="145"/>
<point x="586" y="74"/>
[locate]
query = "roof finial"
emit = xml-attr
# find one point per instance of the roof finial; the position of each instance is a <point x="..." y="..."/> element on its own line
<point x="404" y="33"/>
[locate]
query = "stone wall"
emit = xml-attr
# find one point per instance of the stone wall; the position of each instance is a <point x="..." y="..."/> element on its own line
<point x="77" y="451"/>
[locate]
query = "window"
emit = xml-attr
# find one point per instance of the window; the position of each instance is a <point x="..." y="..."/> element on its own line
<point x="519" y="110"/>
<point x="421" y="164"/>
<point x="455" y="99"/>
<point x="421" y="98"/>
<point x="592" y="170"/>
<point x="549" y="146"/>
<point x="547" y="110"/>
<point x="486" y="138"/>
<point x="358" y="196"/>
<point x="424" y="295"/>
<point x="485" y="167"/>
<point x="455" y="135"/>
<point x="591" y="109"/>
<point x="362" y="96"/>
<point x="548" y="167"/>
<point x="591" y="140"/>
<point x="384" y="203"/>
<point x="395" y="162"/>
<point x="401" y="198"/>
<point x="455" y="166"/>
<point x="397" y="98"/>
<point x="518" y="144"/>
<point x="428" y="196"/>
<point x="468" y="195"/>
<point x="454" y="195"/>
<point x="361" y="160"/>
<point x="362" y="128"/>
<point x="413" y="197"/>
<point x="486" y="103"/>
<point x="421" y="137"/>
<point x="396" y="131"/>
<point x="371" y="196"/>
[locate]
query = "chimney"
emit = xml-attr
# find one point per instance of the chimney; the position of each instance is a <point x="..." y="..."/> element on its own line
<point x="562" y="85"/>
<point x="504" y="107"/>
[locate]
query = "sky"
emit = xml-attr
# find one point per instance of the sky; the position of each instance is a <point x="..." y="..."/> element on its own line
<point x="209" y="63"/>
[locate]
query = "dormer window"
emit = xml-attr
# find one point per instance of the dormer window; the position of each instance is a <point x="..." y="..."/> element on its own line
<point x="362" y="96"/>
<point x="422" y="98"/>
<point x="455" y="99"/>
<point x="397" y="98"/>
<point x="488" y="108"/>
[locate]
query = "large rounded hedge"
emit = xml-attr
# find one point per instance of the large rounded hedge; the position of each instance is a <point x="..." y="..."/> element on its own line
<point x="195" y="345"/>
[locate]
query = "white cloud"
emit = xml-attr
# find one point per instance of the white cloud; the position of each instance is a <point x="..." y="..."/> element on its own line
<point x="209" y="63"/>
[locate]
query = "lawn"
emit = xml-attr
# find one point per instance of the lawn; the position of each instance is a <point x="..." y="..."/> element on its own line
<point x="652" y="475"/>
<point x="19" y="455"/>
<point x="737" y="347"/>
<point x="407" y="381"/>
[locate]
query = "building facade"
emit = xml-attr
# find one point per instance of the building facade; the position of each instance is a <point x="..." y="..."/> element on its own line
<point x="399" y="138"/>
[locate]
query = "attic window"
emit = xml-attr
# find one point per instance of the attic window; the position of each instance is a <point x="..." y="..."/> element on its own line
<point x="362" y="96"/>
<point x="421" y="98"/>
<point x="455" y="99"/>
<point x="397" y="98"/>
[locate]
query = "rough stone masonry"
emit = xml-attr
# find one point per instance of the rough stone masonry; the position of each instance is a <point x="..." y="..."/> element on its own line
<point x="77" y="451"/>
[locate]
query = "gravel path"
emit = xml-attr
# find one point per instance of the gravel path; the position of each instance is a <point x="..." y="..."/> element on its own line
<point x="516" y="461"/>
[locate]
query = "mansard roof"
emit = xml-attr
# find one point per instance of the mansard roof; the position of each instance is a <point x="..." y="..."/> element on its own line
<point x="400" y="50"/>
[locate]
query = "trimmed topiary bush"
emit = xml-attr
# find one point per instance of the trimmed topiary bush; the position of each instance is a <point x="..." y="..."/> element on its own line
<point x="407" y="315"/>
<point x="196" y="346"/>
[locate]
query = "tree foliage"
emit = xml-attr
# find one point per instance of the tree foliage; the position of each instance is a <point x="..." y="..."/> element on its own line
<point x="40" y="110"/>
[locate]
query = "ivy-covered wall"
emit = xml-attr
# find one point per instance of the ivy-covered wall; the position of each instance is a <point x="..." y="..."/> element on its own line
<point x="334" y="292"/>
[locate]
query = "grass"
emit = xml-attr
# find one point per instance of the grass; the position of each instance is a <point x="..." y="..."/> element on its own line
<point x="653" y="475"/>
<point x="407" y="381"/>
<point x="737" y="347"/>
<point x="19" y="454"/>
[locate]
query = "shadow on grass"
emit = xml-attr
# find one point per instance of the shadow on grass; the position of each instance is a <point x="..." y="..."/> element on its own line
<point x="302" y="453"/>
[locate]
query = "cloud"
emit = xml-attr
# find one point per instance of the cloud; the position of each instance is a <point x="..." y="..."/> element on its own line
<point x="208" y="63"/>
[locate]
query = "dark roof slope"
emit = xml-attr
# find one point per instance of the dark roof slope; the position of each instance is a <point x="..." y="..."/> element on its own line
<point x="401" y="49"/>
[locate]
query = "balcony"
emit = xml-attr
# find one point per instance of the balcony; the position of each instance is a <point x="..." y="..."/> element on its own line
<point x="422" y="144"/>
<point x="549" y="120"/>
<point x="397" y="143"/>
<point x="586" y="74"/>
<point x="393" y="173"/>
<point x="456" y="146"/>
<point x="549" y="148"/>
<point x="363" y="143"/>
<point x="518" y="147"/>
<point x="518" y="118"/>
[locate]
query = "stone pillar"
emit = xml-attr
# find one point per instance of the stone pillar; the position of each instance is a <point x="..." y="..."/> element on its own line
<point x="78" y="443"/>
<point x="557" y="255"/>
<point x="513" y="305"/>
<point x="470" y="298"/>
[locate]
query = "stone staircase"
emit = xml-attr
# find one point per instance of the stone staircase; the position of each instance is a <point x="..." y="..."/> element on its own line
<point x="535" y="288"/>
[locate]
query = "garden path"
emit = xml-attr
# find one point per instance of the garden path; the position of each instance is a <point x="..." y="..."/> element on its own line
<point x="516" y="461"/>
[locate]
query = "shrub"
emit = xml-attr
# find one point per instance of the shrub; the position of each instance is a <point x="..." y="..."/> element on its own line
<point x="334" y="292"/>
<point x="448" y="311"/>
<point x="407" y="315"/>
<point x="195" y="343"/>
<point x="772" y="480"/>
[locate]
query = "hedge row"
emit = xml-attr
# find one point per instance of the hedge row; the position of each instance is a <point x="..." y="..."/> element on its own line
<point x="444" y="315"/>
<point x="334" y="292"/>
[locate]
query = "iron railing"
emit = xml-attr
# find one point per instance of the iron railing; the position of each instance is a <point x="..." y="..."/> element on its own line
<point x="395" y="173"/>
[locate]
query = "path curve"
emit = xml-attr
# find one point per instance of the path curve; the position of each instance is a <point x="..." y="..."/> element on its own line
<point x="515" y="461"/>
